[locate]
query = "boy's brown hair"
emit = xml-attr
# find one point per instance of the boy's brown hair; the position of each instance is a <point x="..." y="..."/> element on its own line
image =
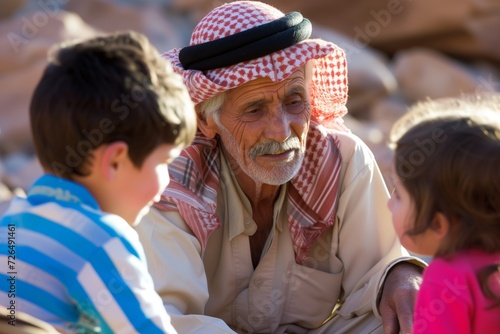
<point x="109" y="88"/>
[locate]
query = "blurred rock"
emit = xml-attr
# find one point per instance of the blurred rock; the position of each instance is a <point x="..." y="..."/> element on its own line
<point x="20" y="170"/>
<point x="368" y="132"/>
<point x="8" y="8"/>
<point x="31" y="33"/>
<point x="5" y="193"/>
<point x="467" y="28"/>
<point x="384" y="112"/>
<point x="5" y="197"/>
<point x="423" y="73"/>
<point x="373" y="136"/>
<point x="196" y="8"/>
<point x="488" y="77"/>
<point x="22" y="61"/>
<point x="164" y="30"/>
<point x="368" y="72"/>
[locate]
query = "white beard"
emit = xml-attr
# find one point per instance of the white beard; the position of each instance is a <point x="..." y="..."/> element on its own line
<point x="278" y="174"/>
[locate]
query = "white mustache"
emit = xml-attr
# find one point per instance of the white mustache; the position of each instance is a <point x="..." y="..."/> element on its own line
<point x="274" y="147"/>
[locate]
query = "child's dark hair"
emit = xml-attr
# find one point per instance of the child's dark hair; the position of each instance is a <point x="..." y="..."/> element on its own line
<point x="109" y="88"/>
<point x="447" y="156"/>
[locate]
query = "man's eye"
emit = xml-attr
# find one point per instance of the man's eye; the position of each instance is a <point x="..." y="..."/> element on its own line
<point x="295" y="105"/>
<point x="252" y="114"/>
<point x="253" y="111"/>
<point x="294" y="101"/>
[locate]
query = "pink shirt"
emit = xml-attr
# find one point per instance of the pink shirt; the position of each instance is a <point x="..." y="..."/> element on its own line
<point x="450" y="299"/>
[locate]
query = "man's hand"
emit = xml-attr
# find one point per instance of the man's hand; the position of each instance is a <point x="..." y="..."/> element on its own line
<point x="398" y="298"/>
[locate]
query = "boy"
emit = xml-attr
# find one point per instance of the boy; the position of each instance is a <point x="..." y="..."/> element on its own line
<point x="107" y="117"/>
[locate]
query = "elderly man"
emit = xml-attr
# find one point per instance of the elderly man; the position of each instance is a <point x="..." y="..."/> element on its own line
<point x="275" y="219"/>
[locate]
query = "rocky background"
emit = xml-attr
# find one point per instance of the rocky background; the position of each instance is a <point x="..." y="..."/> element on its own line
<point x="399" y="52"/>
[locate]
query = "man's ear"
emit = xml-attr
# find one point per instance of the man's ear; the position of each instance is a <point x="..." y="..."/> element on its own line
<point x="206" y="124"/>
<point x="440" y="225"/>
<point x="114" y="156"/>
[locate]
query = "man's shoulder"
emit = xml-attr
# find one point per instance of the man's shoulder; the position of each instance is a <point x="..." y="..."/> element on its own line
<point x="345" y="137"/>
<point x="352" y="147"/>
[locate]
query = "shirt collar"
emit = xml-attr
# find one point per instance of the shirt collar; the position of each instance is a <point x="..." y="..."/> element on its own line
<point x="52" y="188"/>
<point x="238" y="210"/>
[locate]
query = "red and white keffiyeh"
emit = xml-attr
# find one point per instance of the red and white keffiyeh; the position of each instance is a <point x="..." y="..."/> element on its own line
<point x="313" y="192"/>
<point x="329" y="84"/>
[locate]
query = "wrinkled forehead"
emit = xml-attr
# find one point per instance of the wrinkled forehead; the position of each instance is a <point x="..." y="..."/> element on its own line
<point x="232" y="18"/>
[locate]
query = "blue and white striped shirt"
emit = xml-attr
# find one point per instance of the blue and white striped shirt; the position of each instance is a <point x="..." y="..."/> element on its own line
<point x="66" y="262"/>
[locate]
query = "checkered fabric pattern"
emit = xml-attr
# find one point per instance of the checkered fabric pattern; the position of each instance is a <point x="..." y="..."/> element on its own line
<point x="329" y="84"/>
<point x="193" y="188"/>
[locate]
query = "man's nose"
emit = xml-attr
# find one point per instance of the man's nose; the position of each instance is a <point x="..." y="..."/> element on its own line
<point x="279" y="124"/>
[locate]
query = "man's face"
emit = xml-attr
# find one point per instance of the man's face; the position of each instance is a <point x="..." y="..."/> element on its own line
<point x="263" y="127"/>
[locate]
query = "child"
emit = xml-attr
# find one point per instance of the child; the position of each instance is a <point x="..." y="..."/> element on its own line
<point x="107" y="117"/>
<point x="446" y="204"/>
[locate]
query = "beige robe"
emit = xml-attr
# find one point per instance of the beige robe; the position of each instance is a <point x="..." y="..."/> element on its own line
<point x="348" y="262"/>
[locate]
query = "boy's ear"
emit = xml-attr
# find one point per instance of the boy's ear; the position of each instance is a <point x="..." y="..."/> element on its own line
<point x="113" y="158"/>
<point x="440" y="225"/>
<point x="206" y="124"/>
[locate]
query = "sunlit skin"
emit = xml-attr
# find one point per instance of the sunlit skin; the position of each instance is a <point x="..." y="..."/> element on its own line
<point x="402" y="208"/>
<point x="263" y="129"/>
<point x="124" y="189"/>
<point x="146" y="184"/>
